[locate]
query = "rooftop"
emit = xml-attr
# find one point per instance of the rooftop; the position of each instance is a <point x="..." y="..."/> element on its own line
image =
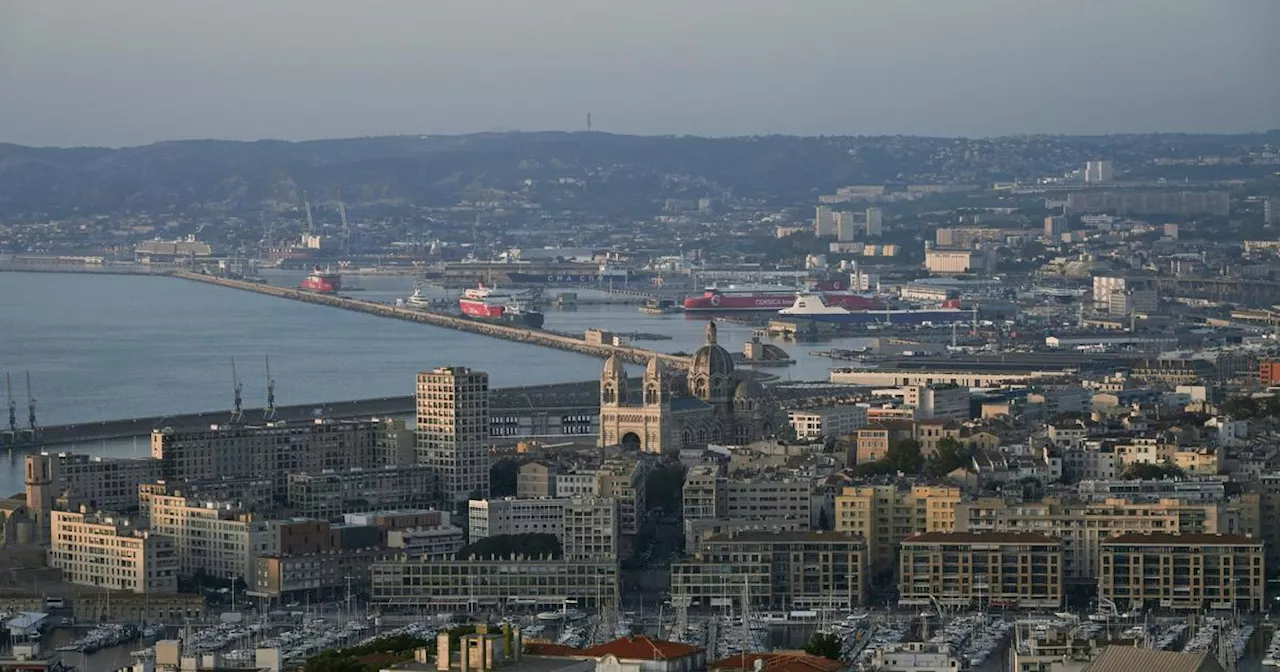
<point x="980" y="538"/>
<point x="1167" y="538"/>
<point x="640" y="647"/>
<point x="789" y="536"/>
<point x="777" y="662"/>
<point x="1127" y="658"/>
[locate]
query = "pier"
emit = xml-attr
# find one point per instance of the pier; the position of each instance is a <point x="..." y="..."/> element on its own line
<point x="629" y="354"/>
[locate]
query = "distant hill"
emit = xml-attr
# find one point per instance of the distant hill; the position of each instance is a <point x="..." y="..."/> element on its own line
<point x="440" y="170"/>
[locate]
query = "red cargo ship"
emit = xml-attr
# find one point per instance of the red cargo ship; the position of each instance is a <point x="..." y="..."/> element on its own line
<point x="492" y="304"/>
<point x="772" y="298"/>
<point x="322" y="281"/>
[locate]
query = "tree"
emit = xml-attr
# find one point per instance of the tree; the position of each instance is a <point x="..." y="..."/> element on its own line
<point x="1152" y="472"/>
<point x="824" y="645"/>
<point x="503" y="476"/>
<point x="905" y="456"/>
<point x="664" y="487"/>
<point x="949" y="456"/>
<point x="823" y="522"/>
<point x="511" y="545"/>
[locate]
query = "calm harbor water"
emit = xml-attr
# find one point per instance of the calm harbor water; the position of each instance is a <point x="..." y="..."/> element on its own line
<point x="105" y="347"/>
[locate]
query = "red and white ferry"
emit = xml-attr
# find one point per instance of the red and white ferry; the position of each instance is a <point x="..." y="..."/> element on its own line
<point x="488" y="303"/>
<point x="323" y="281"/>
<point x="771" y="298"/>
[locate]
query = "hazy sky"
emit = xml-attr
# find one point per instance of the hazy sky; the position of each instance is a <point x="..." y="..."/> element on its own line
<point x="122" y="72"/>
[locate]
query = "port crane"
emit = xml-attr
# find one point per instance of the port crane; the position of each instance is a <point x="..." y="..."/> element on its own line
<point x="269" y="413"/>
<point x="13" y="406"/>
<point x="31" y="405"/>
<point x="238" y="414"/>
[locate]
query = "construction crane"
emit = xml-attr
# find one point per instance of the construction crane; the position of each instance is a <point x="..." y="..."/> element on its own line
<point x="31" y="405"/>
<point x="269" y="413"/>
<point x="346" y="230"/>
<point x="310" y="223"/>
<point x="238" y="414"/>
<point x="13" y="405"/>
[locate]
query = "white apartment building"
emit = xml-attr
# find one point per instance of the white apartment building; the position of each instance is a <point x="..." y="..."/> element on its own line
<point x="508" y="515"/>
<point x="430" y="543"/>
<point x="587" y="527"/>
<point x="578" y="484"/>
<point x="948" y="402"/>
<point x="213" y="538"/>
<point x="453" y="430"/>
<point x="827" y="422"/>
<point x="950" y="262"/>
<point x="1097" y="172"/>
<point x="98" y="550"/>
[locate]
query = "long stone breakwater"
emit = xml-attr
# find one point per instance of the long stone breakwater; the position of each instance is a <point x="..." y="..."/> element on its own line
<point x="507" y="332"/>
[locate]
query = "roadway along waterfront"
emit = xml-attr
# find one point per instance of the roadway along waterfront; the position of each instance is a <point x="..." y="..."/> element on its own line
<point x="511" y="333"/>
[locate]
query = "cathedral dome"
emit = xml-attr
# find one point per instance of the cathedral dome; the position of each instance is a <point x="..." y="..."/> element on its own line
<point x="711" y="359"/>
<point x="749" y="389"/>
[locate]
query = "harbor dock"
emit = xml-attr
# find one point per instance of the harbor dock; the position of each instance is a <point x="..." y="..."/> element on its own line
<point x="625" y="353"/>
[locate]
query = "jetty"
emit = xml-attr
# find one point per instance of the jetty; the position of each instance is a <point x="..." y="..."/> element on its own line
<point x="507" y="332"/>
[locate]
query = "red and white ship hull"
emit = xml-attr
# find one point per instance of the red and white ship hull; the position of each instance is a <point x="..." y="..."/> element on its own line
<point x="481" y="309"/>
<point x="324" y="282"/>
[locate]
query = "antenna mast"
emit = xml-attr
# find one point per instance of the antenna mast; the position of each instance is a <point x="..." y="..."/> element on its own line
<point x="269" y="413"/>
<point x="237" y="415"/>
<point x="588" y="122"/>
<point x="31" y="404"/>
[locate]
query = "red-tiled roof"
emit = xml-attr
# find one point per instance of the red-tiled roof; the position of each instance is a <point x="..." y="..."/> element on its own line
<point x="640" y="647"/>
<point x="549" y="649"/>
<point x="776" y="662"/>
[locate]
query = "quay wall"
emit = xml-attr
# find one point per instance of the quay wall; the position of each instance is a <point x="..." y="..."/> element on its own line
<point x="507" y="332"/>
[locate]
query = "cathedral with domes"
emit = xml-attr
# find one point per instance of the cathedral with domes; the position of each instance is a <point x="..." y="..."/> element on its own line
<point x="708" y="404"/>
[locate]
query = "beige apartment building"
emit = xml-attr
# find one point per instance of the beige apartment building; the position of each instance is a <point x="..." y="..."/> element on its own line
<point x="1084" y="526"/>
<point x="94" y="549"/>
<point x="453" y="430"/>
<point x="884" y="515"/>
<point x="481" y="583"/>
<point x="775" y="570"/>
<point x="216" y="539"/>
<point x="1190" y="572"/>
<point x="977" y="569"/>
<point x="622" y="479"/>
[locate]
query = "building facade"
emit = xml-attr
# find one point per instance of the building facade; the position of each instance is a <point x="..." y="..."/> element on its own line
<point x="829" y="422"/>
<point x="479" y="583"/>
<point x="999" y="569"/>
<point x="775" y="570"/>
<point x="710" y="403"/>
<point x="884" y="515"/>
<point x="214" y="539"/>
<point x="453" y="431"/>
<point x="1190" y="572"/>
<point x="273" y="451"/>
<point x="1084" y="526"/>
<point x="329" y="494"/>
<point x="108" y="552"/>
